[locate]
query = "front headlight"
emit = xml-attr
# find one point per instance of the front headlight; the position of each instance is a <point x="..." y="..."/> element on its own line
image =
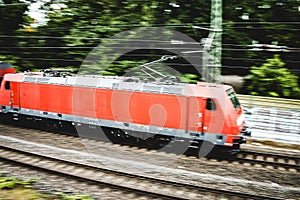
<point x="240" y="120"/>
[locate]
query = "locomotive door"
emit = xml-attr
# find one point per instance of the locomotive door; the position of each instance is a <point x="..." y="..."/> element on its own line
<point x="14" y="94"/>
<point x="5" y="93"/>
<point x="196" y="109"/>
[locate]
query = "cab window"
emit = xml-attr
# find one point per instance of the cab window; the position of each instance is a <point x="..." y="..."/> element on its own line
<point x="233" y="98"/>
<point x="210" y="104"/>
<point x="7" y="85"/>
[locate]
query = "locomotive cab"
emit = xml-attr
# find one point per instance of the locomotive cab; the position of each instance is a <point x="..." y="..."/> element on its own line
<point x="4" y="94"/>
<point x="5" y="68"/>
<point x="220" y="116"/>
<point x="237" y="130"/>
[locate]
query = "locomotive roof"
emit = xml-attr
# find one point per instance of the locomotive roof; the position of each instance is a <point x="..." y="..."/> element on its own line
<point x="121" y="83"/>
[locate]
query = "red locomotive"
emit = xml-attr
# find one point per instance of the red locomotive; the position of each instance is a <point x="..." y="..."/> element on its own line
<point x="129" y="107"/>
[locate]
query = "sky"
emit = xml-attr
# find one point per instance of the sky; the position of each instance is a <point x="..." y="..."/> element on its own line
<point x="39" y="15"/>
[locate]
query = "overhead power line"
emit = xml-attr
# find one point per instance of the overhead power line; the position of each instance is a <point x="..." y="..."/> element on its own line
<point x="13" y="4"/>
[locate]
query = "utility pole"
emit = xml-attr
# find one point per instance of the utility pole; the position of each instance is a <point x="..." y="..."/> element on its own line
<point x="213" y="44"/>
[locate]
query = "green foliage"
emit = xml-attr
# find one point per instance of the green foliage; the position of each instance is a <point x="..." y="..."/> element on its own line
<point x="273" y="79"/>
<point x="269" y="21"/>
<point x="13" y="17"/>
<point x="189" y="78"/>
<point x="11" y="182"/>
<point x="77" y="26"/>
<point x="21" y="189"/>
<point x="74" y="197"/>
<point x="8" y="183"/>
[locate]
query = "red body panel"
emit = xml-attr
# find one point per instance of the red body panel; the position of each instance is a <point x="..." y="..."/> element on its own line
<point x="183" y="112"/>
<point x="4" y="97"/>
<point x="48" y="98"/>
<point x="164" y="110"/>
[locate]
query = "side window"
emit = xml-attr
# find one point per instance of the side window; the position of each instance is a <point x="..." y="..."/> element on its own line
<point x="210" y="104"/>
<point x="1" y="78"/>
<point x="7" y="85"/>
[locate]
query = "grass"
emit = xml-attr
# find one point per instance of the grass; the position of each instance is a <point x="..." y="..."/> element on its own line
<point x="15" y="189"/>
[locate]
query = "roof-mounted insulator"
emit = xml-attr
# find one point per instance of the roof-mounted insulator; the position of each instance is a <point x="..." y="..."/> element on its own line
<point x="57" y="72"/>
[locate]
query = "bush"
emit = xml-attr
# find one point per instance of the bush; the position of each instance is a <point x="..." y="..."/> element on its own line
<point x="273" y="79"/>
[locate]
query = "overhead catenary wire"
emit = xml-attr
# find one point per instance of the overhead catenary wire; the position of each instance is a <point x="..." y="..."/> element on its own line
<point x="119" y="63"/>
<point x="295" y="50"/>
<point x="68" y="54"/>
<point x="225" y="46"/>
<point x="92" y="28"/>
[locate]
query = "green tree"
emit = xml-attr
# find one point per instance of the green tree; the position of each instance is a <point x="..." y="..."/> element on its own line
<point x="264" y="21"/>
<point x="13" y="17"/>
<point x="273" y="79"/>
<point x="75" y="27"/>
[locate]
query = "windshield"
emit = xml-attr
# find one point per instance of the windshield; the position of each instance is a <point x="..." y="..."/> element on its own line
<point x="233" y="98"/>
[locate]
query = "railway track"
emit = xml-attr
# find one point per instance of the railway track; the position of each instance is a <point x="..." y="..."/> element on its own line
<point x="270" y="159"/>
<point x="146" y="186"/>
<point x="262" y="158"/>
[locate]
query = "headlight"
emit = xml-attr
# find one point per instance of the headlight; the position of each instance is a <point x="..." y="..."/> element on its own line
<point x="240" y="120"/>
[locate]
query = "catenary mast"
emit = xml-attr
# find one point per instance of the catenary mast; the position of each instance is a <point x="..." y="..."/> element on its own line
<point x="212" y="56"/>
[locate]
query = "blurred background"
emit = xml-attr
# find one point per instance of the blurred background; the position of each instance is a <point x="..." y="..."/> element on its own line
<point x="260" y="43"/>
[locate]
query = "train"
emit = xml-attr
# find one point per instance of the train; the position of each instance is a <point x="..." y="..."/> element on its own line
<point x="158" y="112"/>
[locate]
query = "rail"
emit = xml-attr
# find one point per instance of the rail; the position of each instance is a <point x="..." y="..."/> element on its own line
<point x="147" y="186"/>
<point x="270" y="159"/>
